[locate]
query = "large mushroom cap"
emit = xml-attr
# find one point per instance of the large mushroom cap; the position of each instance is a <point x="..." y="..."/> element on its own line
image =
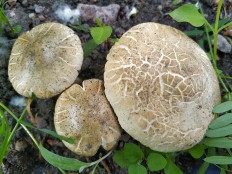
<point x="83" y="113"/>
<point x="45" y="60"/>
<point x="161" y="86"/>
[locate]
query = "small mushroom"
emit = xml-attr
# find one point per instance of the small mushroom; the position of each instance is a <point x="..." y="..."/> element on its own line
<point x="45" y="60"/>
<point x="161" y="86"/>
<point x="84" y="114"/>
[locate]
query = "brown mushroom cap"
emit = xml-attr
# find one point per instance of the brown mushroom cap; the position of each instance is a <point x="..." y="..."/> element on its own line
<point x="161" y="86"/>
<point x="45" y="60"/>
<point x="83" y="113"/>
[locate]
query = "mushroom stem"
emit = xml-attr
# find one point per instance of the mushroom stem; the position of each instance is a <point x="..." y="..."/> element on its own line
<point x="106" y="166"/>
<point x="32" y="118"/>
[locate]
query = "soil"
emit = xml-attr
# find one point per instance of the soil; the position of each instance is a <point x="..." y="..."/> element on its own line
<point x="23" y="156"/>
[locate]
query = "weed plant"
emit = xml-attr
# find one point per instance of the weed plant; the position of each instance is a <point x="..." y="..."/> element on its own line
<point x="4" y="20"/>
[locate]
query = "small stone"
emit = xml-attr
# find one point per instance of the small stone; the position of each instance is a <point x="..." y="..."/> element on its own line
<point x="36" y="21"/>
<point x="223" y="45"/>
<point x="32" y="15"/>
<point x="41" y="17"/>
<point x="160" y="7"/>
<point x="107" y="14"/>
<point x="25" y="3"/>
<point x="38" y="8"/>
<point x="20" y="145"/>
<point x="12" y="2"/>
<point x="11" y="13"/>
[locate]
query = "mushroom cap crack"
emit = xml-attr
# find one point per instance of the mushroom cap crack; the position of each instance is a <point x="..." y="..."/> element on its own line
<point x="83" y="113"/>
<point x="161" y="86"/>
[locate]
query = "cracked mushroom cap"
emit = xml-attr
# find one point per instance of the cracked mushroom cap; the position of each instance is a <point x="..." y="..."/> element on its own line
<point x="45" y="60"/>
<point x="83" y="113"/>
<point x="161" y="86"/>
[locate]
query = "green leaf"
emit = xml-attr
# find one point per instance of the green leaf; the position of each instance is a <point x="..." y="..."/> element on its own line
<point x="222" y="171"/>
<point x="156" y="162"/>
<point x="62" y="162"/>
<point x="228" y="96"/>
<point x="219" y="160"/>
<point x="175" y="2"/>
<point x="120" y="159"/>
<point x="221" y="121"/>
<point x="52" y="133"/>
<point x="99" y="22"/>
<point x="79" y="26"/>
<point x="133" y="153"/>
<point x="130" y="154"/>
<point x="223" y="107"/>
<point x="89" y="47"/>
<point x="5" y="20"/>
<point x="201" y="42"/>
<point x="113" y="40"/>
<point x="17" y="29"/>
<point x="188" y="13"/>
<point x="137" y="169"/>
<point x="220" y="132"/>
<point x="197" y="151"/>
<point x="100" y="34"/>
<point x="194" y="32"/>
<point x="223" y="142"/>
<point x="4" y="136"/>
<point x="172" y="168"/>
<point x="203" y="168"/>
<point x="222" y="22"/>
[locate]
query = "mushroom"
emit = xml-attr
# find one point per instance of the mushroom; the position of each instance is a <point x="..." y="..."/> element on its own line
<point x="45" y="60"/>
<point x="161" y="86"/>
<point x="84" y="114"/>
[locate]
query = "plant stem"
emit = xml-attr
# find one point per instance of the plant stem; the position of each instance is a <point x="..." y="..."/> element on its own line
<point x="209" y="42"/>
<point x="9" y="111"/>
<point x="16" y="126"/>
<point x="30" y="134"/>
<point x="215" y="31"/>
<point x="18" y="121"/>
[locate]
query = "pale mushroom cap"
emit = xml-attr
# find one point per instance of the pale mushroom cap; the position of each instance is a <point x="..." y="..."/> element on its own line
<point x="83" y="113"/>
<point x="45" y="60"/>
<point x="161" y="86"/>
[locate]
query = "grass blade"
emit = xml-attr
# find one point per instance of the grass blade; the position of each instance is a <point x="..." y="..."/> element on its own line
<point x="203" y="168"/>
<point x="4" y="135"/>
<point x="194" y="32"/>
<point x="219" y="160"/>
<point x="89" y="47"/>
